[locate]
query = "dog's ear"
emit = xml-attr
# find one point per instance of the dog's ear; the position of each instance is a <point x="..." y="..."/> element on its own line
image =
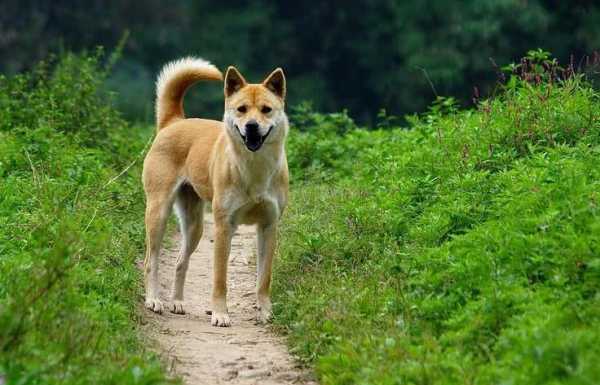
<point x="234" y="81"/>
<point x="276" y="83"/>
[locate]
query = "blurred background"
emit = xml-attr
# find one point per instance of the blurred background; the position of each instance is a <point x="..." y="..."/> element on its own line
<point x="363" y="56"/>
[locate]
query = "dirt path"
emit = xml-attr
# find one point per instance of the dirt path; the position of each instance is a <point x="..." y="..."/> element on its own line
<point x="244" y="353"/>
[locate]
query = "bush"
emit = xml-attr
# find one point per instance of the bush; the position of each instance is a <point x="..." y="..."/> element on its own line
<point x="71" y="231"/>
<point x="464" y="249"/>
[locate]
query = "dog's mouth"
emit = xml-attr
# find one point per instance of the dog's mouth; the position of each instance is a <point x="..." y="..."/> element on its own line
<point x="253" y="140"/>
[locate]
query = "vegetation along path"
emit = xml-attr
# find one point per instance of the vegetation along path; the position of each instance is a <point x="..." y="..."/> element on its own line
<point x="245" y="353"/>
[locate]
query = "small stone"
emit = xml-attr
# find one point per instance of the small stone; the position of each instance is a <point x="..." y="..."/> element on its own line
<point x="230" y="375"/>
<point x="287" y="377"/>
<point x="254" y="373"/>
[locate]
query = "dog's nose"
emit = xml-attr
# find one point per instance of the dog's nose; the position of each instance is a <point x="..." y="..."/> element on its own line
<point x="252" y="125"/>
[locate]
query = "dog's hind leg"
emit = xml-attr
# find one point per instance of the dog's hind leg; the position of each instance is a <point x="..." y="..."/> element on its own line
<point x="158" y="208"/>
<point x="189" y="210"/>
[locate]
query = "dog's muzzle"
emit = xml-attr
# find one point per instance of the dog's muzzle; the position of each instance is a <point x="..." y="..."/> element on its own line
<point x="253" y="140"/>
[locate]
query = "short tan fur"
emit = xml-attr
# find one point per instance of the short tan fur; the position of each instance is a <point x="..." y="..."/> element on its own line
<point x="238" y="165"/>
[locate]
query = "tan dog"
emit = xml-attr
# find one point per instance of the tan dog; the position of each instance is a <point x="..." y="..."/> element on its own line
<point x="239" y="165"/>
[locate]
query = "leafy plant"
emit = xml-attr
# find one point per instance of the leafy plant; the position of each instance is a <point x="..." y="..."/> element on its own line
<point x="70" y="205"/>
<point x="463" y="249"/>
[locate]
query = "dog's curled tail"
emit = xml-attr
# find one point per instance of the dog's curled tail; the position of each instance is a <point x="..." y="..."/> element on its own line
<point x="172" y="83"/>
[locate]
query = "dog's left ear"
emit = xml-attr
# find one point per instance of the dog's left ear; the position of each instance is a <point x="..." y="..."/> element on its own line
<point x="276" y="83"/>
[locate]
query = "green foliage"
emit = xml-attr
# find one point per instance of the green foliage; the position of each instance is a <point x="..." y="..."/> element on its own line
<point x="363" y="56"/>
<point x="64" y="95"/>
<point x="315" y="143"/>
<point x="463" y="250"/>
<point x="71" y="232"/>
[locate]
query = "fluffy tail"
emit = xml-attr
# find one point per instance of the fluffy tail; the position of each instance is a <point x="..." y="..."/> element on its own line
<point x="174" y="79"/>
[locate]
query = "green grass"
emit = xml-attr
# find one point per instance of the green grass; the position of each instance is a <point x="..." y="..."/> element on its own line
<point x="70" y="232"/>
<point x="464" y="249"/>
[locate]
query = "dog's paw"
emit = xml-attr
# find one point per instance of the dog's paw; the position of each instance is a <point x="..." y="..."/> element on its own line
<point x="177" y="307"/>
<point x="220" y="319"/>
<point x="264" y="316"/>
<point x="155" y="305"/>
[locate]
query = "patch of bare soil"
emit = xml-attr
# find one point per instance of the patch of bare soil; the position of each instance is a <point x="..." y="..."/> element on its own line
<point x="245" y="353"/>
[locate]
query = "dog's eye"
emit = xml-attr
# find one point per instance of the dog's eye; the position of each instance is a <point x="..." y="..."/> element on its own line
<point x="242" y="109"/>
<point x="266" y="109"/>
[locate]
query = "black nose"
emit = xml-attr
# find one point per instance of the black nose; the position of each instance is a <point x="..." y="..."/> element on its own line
<point x="252" y="125"/>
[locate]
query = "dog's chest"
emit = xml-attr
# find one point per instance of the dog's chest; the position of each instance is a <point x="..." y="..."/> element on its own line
<point x="254" y="209"/>
<point x="256" y="177"/>
<point x="254" y="202"/>
<point x="257" y="192"/>
<point x="254" y="198"/>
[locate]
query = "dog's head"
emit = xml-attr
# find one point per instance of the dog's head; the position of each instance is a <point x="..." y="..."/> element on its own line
<point x="254" y="113"/>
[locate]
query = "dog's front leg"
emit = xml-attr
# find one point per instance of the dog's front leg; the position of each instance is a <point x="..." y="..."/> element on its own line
<point x="223" y="234"/>
<point x="267" y="242"/>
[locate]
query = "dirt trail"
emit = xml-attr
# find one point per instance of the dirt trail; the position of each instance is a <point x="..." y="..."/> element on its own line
<point x="244" y="353"/>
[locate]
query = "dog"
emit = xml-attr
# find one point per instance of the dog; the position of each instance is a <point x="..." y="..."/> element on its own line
<point x="239" y="165"/>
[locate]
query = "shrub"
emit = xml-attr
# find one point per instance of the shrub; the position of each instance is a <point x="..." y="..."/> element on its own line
<point x="464" y="249"/>
<point x="71" y="232"/>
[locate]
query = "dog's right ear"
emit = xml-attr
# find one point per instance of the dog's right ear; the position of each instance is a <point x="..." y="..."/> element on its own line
<point x="234" y="81"/>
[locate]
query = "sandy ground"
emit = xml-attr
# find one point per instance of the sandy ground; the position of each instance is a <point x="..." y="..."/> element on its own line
<point x="244" y="353"/>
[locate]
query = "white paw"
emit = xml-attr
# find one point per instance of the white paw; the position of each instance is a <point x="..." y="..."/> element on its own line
<point x="177" y="307"/>
<point x="155" y="305"/>
<point x="265" y="313"/>
<point x="220" y="319"/>
<point x="264" y="316"/>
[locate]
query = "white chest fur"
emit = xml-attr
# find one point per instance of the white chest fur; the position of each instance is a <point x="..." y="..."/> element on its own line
<point x="256" y="174"/>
